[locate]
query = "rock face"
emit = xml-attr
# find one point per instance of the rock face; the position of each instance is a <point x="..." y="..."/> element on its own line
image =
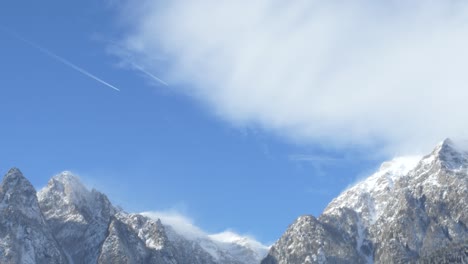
<point x="25" y="236"/>
<point x="78" y="218"/>
<point x="67" y="223"/>
<point x="413" y="210"/>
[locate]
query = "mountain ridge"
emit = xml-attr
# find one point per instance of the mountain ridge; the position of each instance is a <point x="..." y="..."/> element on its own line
<point x="77" y="225"/>
<point x="411" y="210"/>
<point x="403" y="213"/>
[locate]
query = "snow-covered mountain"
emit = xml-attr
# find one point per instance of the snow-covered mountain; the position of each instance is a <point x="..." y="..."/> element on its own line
<point x="65" y="222"/>
<point x="412" y="210"/>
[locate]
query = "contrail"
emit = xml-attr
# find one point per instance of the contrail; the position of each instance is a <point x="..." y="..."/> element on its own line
<point x="73" y="66"/>
<point x="138" y="67"/>
<point x="60" y="59"/>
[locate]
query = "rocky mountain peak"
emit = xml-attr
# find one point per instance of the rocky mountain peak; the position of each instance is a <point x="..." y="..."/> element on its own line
<point x="449" y="155"/>
<point x="410" y="210"/>
<point x="369" y="197"/>
<point x="68" y="185"/>
<point x="14" y="173"/>
<point x="67" y="178"/>
<point x="66" y="189"/>
<point x="24" y="234"/>
<point x="66" y="222"/>
<point x="17" y="192"/>
<point x="14" y="179"/>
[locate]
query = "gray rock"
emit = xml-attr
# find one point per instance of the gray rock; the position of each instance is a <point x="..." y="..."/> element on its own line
<point x="25" y="236"/>
<point x="123" y="246"/>
<point x="78" y="218"/>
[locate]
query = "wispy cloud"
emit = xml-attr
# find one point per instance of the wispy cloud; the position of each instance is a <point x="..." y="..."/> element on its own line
<point x="185" y="226"/>
<point x="343" y="73"/>
<point x="180" y="222"/>
<point x="59" y="58"/>
<point x="128" y="61"/>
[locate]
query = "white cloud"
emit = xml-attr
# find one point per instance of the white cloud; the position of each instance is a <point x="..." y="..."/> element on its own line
<point x="181" y="223"/>
<point x="383" y="73"/>
<point x="212" y="243"/>
<point x="184" y="225"/>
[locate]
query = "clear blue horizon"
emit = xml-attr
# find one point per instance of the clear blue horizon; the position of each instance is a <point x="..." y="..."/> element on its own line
<point x="150" y="147"/>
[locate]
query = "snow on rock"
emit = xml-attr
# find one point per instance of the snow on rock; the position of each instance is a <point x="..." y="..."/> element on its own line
<point x="409" y="209"/>
<point x="66" y="222"/>
<point x="79" y="218"/>
<point x="369" y="197"/>
<point x="24" y="234"/>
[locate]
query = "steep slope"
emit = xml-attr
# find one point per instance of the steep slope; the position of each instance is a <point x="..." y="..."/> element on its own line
<point x="189" y="249"/>
<point x="308" y="240"/>
<point x="78" y="218"/>
<point x="91" y="230"/>
<point x="408" y="210"/>
<point x="24" y="235"/>
<point x="122" y="245"/>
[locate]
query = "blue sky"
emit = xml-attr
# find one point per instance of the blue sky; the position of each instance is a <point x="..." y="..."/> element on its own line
<point x="224" y="156"/>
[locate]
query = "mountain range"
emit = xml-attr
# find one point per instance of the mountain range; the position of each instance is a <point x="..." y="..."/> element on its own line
<point x="65" y="222"/>
<point x="412" y="210"/>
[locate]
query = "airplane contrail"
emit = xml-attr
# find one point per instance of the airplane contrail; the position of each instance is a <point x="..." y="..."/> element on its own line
<point x="73" y="66"/>
<point x="138" y="67"/>
<point x="60" y="59"/>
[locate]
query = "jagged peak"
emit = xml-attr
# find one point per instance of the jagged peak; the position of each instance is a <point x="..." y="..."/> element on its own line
<point x="14" y="178"/>
<point x="389" y="170"/>
<point x="445" y="145"/>
<point x="14" y="170"/>
<point x="66" y="181"/>
<point x="305" y="219"/>
<point x="451" y="145"/>
<point x="13" y="173"/>
<point x="67" y="177"/>
<point x="450" y="154"/>
<point x="18" y="194"/>
<point x="69" y="186"/>
<point x="446" y="142"/>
